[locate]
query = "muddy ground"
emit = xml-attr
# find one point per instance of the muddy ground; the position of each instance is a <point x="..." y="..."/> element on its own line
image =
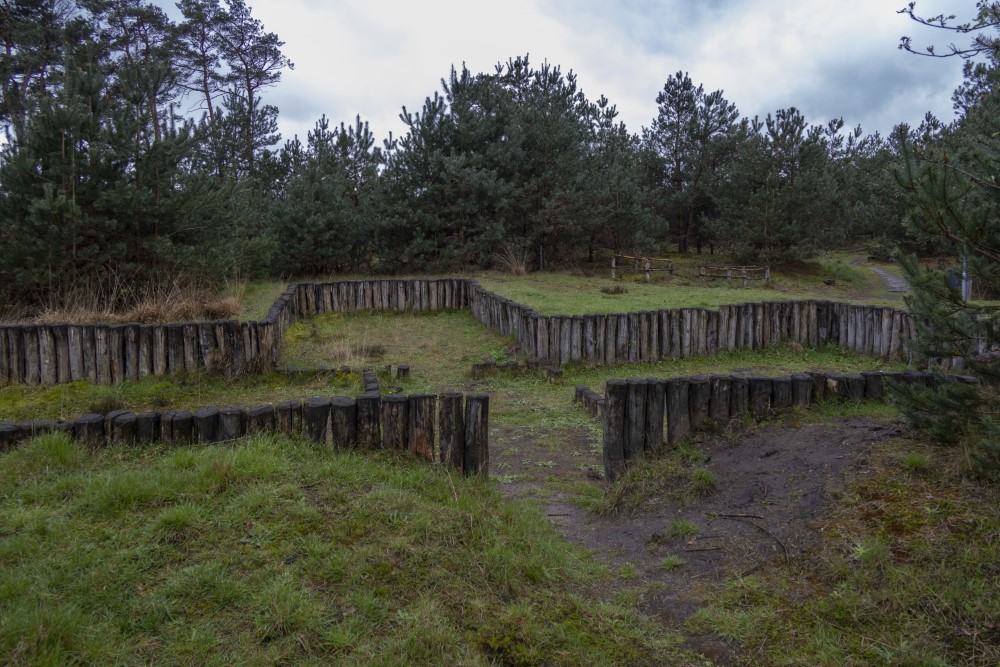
<point x="773" y="488"/>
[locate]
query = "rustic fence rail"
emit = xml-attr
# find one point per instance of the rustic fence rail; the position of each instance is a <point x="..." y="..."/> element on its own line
<point x="452" y="429"/>
<point x="644" y="265"/>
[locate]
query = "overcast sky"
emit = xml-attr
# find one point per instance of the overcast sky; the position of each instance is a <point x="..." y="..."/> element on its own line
<point x="829" y="59"/>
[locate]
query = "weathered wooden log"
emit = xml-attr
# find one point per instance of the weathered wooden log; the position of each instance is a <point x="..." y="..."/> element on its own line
<point x="395" y="422"/>
<point x="369" y="412"/>
<point x="88" y="430"/>
<point x="759" y="396"/>
<point x="206" y="425"/>
<point x="159" y="349"/>
<point x="32" y="361"/>
<point x="260" y="419"/>
<point x="288" y="416"/>
<point x="615" y="426"/>
<point x="343" y="422"/>
<point x="699" y="400"/>
<point x="818" y="393"/>
<point x="60" y="335"/>
<point x="781" y="393"/>
<point x="177" y="427"/>
<point x="678" y="410"/>
<point x="109" y="424"/>
<point x="855" y="386"/>
<point x="47" y="369"/>
<point x="147" y="427"/>
<point x="611" y="340"/>
<point x="477" y="435"/>
<point x="232" y="423"/>
<point x="739" y="396"/>
<point x="116" y="353"/>
<point x="123" y="430"/>
<point x="8" y="436"/>
<point x="316" y="419"/>
<point x="656" y="405"/>
<point x="88" y="348"/>
<point x="131" y="350"/>
<point x="635" y="416"/>
<point x="175" y="348"/>
<point x="451" y="424"/>
<point x="421" y="428"/>
<point x="719" y="398"/>
<point x="622" y="338"/>
<point x="874" y="385"/>
<point x="192" y="348"/>
<point x="802" y="385"/>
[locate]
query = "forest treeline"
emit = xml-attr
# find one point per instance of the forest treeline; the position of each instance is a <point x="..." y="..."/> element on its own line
<point x="143" y="145"/>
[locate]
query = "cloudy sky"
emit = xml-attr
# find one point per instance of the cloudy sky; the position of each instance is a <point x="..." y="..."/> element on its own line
<point x="829" y="59"/>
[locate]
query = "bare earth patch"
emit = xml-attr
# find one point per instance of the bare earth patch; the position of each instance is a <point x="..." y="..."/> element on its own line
<point x="773" y="488"/>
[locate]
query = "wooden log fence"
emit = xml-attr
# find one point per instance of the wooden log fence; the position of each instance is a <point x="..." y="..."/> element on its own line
<point x="49" y="354"/>
<point x="644" y="414"/>
<point x="741" y="273"/>
<point x="452" y="429"/>
<point x="644" y="265"/>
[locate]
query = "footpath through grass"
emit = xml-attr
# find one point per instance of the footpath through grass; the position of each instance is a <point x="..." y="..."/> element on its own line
<point x="907" y="574"/>
<point x="275" y="551"/>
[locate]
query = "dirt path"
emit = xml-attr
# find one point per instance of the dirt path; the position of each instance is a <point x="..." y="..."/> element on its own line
<point x="893" y="283"/>
<point x="773" y="487"/>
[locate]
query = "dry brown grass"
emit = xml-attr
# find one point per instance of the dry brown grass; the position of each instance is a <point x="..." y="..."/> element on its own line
<point x="120" y="300"/>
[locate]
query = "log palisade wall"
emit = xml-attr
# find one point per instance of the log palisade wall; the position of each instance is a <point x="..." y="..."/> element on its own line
<point x="451" y="428"/>
<point x="104" y="354"/>
<point x="643" y="414"/>
<point x="648" y="336"/>
<point x="110" y="353"/>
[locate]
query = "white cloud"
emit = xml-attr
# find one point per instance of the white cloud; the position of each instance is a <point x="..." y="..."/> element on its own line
<point x="829" y="59"/>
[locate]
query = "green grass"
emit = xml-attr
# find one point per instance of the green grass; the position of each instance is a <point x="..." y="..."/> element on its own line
<point x="68" y="401"/>
<point x="258" y="296"/>
<point x="440" y="347"/>
<point x="564" y="294"/>
<point x="906" y="576"/>
<point x="275" y="551"/>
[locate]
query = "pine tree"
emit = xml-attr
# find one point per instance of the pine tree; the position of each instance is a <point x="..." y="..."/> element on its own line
<point x="950" y="176"/>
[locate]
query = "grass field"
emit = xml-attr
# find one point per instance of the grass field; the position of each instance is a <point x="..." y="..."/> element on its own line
<point x="579" y="294"/>
<point x="272" y="550"/>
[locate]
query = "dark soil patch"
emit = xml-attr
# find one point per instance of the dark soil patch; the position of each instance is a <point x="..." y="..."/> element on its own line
<point x="773" y="488"/>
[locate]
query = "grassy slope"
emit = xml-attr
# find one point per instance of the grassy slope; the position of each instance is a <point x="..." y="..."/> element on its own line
<point x="564" y="294"/>
<point x="275" y="551"/>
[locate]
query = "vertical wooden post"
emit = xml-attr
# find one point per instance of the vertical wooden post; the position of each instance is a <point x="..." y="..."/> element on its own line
<point x="206" y="425"/>
<point x="612" y="267"/>
<point x="395" y="422"/>
<point x="260" y="419"/>
<point x="646" y="267"/>
<point x="781" y="393"/>
<point x="656" y="398"/>
<point x="421" y="436"/>
<point x="316" y="419"/>
<point x="699" y="400"/>
<point x="615" y="401"/>
<point x="739" y="396"/>
<point x="678" y="410"/>
<point x="451" y="420"/>
<point x="719" y="398"/>
<point x="343" y="422"/>
<point x="232" y="423"/>
<point x="759" y="396"/>
<point x="801" y="390"/>
<point x="477" y="434"/>
<point x="635" y="416"/>
<point x="369" y="412"/>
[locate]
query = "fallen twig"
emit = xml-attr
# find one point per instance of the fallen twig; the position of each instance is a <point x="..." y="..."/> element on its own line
<point x="745" y="518"/>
